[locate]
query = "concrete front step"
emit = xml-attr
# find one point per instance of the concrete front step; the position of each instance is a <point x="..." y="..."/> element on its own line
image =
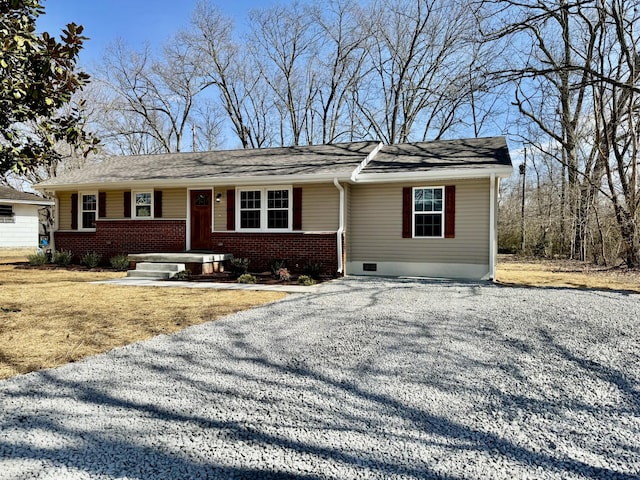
<point x="149" y="274"/>
<point x="156" y="270"/>
<point x="168" y="267"/>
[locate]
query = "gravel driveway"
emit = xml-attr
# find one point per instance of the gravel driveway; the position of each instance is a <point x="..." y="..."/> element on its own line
<point x="366" y="378"/>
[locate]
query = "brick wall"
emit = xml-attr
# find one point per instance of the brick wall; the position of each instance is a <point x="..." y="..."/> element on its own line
<point x="297" y="248"/>
<point x="125" y="236"/>
<point x="165" y="236"/>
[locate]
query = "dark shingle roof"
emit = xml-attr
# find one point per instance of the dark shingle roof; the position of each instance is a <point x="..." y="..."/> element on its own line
<point x="338" y="159"/>
<point x="8" y="194"/>
<point x="465" y="154"/>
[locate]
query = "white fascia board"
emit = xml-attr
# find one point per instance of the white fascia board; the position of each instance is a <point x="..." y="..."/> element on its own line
<point x="365" y="162"/>
<point x="28" y="202"/>
<point x="448" y="174"/>
<point x="198" y="182"/>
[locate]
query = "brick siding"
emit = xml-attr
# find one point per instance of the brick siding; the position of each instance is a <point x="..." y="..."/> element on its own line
<point x="298" y="249"/>
<point x="125" y="237"/>
<point x="166" y="236"/>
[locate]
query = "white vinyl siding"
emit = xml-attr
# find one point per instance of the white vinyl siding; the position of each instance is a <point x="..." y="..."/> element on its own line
<point x="22" y="231"/>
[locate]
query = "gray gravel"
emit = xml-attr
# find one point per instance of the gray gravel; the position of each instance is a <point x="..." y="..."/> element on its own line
<point x="366" y="378"/>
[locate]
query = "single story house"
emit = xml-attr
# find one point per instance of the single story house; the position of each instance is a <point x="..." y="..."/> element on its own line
<point x="20" y="218"/>
<point x="361" y="208"/>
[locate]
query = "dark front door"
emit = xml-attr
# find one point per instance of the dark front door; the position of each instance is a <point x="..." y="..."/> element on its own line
<point x="201" y="219"/>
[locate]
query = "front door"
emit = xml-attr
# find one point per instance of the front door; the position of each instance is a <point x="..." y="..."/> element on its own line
<point x="201" y="219"/>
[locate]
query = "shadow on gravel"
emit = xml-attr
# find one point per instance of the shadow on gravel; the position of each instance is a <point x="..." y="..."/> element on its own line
<point x="595" y="291"/>
<point x="221" y="389"/>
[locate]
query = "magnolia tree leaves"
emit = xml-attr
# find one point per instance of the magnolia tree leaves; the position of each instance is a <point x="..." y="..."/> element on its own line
<point x="38" y="78"/>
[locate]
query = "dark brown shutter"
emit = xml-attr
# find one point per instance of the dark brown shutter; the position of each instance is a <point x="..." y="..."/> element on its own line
<point x="127" y="204"/>
<point x="450" y="211"/>
<point x="297" y="208"/>
<point x="406" y="212"/>
<point x="157" y="203"/>
<point x="231" y="209"/>
<point x="74" y="211"/>
<point x="102" y="204"/>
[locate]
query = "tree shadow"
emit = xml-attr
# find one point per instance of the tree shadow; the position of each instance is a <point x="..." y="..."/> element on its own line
<point x="280" y="393"/>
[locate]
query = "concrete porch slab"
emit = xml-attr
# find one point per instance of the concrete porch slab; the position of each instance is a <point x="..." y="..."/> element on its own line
<point x="180" y="257"/>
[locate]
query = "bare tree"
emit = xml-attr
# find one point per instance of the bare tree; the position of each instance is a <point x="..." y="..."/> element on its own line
<point x="339" y="69"/>
<point x="417" y="76"/>
<point x="284" y="43"/>
<point x="230" y="68"/>
<point x="578" y="86"/>
<point x="616" y="99"/>
<point x="149" y="101"/>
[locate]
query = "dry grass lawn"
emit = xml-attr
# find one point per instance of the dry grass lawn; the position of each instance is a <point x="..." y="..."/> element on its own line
<point x="52" y="317"/>
<point x="565" y="273"/>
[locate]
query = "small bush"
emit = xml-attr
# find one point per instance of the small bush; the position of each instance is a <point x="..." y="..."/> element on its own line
<point x="283" y="274"/>
<point x="240" y="265"/>
<point x="246" y="278"/>
<point x="62" y="257"/>
<point x="306" y="280"/>
<point x="313" y="270"/>
<point x="91" y="259"/>
<point x="182" y="275"/>
<point x="275" y="265"/>
<point x="37" y="259"/>
<point x="119" y="262"/>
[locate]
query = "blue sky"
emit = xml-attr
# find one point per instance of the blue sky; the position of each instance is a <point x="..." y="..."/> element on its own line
<point x="135" y="21"/>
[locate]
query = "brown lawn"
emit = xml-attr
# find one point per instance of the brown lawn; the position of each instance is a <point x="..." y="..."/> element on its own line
<point x="52" y="317"/>
<point x="565" y="273"/>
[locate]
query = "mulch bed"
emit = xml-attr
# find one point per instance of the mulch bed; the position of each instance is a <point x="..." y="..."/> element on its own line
<point x="262" y="278"/>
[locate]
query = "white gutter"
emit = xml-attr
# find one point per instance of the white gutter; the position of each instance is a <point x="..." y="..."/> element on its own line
<point x="436" y="174"/>
<point x="44" y="201"/>
<point x="492" y="229"/>
<point x="341" y="226"/>
<point x="365" y="162"/>
<point x="204" y="182"/>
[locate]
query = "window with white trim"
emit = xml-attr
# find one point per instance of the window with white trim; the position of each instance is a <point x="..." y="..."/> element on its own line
<point x="278" y="209"/>
<point x="264" y="209"/>
<point x="6" y="214"/>
<point x="88" y="210"/>
<point x="428" y="212"/>
<point x="142" y="204"/>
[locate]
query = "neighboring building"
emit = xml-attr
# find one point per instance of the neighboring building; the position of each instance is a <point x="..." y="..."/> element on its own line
<point x="20" y="218"/>
<point x="426" y="209"/>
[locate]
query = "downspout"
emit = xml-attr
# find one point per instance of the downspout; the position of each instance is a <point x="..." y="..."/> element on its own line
<point x="492" y="229"/>
<point x="341" y="225"/>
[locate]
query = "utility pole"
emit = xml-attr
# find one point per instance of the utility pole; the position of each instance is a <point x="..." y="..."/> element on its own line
<point x="195" y="139"/>
<point x="523" y="173"/>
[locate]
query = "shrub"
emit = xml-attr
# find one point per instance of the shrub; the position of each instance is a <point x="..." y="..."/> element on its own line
<point x="246" y="278"/>
<point x="313" y="270"/>
<point x="306" y="280"/>
<point x="37" y="259"/>
<point x="62" y="257"/>
<point x="91" y="259"/>
<point x="240" y="265"/>
<point x="275" y="265"/>
<point x="119" y="262"/>
<point x="283" y="274"/>
<point x="182" y="275"/>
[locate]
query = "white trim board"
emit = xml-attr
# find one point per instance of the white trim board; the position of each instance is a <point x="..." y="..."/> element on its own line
<point x="467" y="271"/>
